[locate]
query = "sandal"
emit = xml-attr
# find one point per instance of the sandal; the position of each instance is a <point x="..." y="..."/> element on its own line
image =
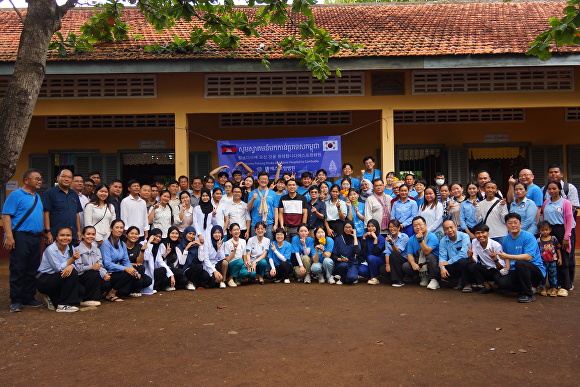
<point x="113" y="299"/>
<point x="553" y="292"/>
<point x="544" y="293"/>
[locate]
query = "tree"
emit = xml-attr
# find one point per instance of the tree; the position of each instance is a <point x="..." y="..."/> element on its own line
<point x="222" y="25"/>
<point x="563" y="32"/>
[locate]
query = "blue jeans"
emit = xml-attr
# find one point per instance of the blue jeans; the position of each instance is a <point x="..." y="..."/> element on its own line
<point x="552" y="274"/>
<point x="327" y="266"/>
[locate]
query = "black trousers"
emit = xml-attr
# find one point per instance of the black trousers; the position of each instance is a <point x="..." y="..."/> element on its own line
<point x="124" y="283"/>
<point x="283" y="270"/>
<point x="521" y="279"/>
<point x="482" y="274"/>
<point x="61" y="291"/>
<point x="433" y="271"/>
<point x="459" y="270"/>
<point x="24" y="262"/>
<point x="197" y="275"/>
<point x="90" y="285"/>
<point x="563" y="270"/>
<point x="396" y="261"/>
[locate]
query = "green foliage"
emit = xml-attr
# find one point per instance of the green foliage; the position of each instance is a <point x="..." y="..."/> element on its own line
<point x="223" y="25"/>
<point x="562" y="32"/>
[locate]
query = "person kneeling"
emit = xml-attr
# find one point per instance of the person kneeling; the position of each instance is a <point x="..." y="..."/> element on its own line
<point x="57" y="277"/>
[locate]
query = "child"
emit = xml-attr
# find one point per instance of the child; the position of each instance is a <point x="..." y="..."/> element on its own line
<point x="551" y="251"/>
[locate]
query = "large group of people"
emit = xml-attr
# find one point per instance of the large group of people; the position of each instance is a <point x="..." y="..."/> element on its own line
<point x="224" y="231"/>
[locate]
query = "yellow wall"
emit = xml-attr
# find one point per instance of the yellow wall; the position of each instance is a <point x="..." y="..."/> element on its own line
<point x="182" y="94"/>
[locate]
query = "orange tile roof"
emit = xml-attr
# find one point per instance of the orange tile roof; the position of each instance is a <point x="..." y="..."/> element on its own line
<point x="390" y="30"/>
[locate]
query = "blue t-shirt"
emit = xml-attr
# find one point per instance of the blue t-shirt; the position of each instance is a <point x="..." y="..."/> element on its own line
<point x="298" y="248"/>
<point x="535" y="194"/>
<point x="432" y="241"/>
<point x="354" y="183"/>
<point x="17" y="205"/>
<point x="271" y="200"/>
<point x="285" y="250"/>
<point x="528" y="210"/>
<point x="525" y="243"/>
<point x="371" y="176"/>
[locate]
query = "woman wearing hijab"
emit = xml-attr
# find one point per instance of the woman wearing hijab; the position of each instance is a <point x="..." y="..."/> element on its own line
<point x="155" y="266"/>
<point x="203" y="215"/>
<point x="171" y="243"/>
<point x="372" y="246"/>
<point x="188" y="259"/>
<point x="366" y="190"/>
<point x="213" y="257"/>
<point x="346" y="249"/>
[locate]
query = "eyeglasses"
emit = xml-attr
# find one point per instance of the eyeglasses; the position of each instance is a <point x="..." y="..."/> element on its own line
<point x="39" y="179"/>
<point x="89" y="185"/>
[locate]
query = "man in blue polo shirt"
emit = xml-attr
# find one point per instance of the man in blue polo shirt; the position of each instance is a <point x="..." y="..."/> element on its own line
<point x="423" y="254"/>
<point x="453" y="258"/>
<point x="61" y="208"/>
<point x="22" y="220"/>
<point x="526" y="265"/>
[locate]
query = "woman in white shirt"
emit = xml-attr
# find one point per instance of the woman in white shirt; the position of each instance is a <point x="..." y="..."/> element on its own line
<point x="99" y="213"/>
<point x="203" y="215"/>
<point x="161" y="214"/>
<point x="184" y="212"/>
<point x="234" y="250"/>
<point x="256" y="251"/>
<point x="432" y="211"/>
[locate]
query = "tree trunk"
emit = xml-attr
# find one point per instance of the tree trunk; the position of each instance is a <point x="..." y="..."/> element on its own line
<point x="41" y="22"/>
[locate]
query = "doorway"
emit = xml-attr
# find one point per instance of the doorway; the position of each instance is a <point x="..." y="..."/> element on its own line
<point x="501" y="163"/>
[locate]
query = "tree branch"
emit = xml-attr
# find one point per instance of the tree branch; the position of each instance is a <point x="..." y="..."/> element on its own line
<point x="67" y="6"/>
<point x="17" y="11"/>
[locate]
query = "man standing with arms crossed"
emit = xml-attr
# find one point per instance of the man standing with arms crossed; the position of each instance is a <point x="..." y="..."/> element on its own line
<point x="22" y="217"/>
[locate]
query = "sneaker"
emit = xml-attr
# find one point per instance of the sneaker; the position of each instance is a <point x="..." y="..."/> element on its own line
<point x="467" y="289"/>
<point x="232" y="283"/>
<point x="331" y="280"/>
<point x="222" y="285"/>
<point x="307" y="279"/>
<point x="485" y="291"/>
<point x="373" y="281"/>
<point x="355" y="282"/>
<point x="238" y="283"/>
<point x="433" y="284"/>
<point x="191" y="286"/>
<point x="277" y="281"/>
<point x="49" y="303"/>
<point x="154" y="291"/>
<point x="15" y="307"/>
<point x="33" y="304"/>
<point x="526" y="299"/>
<point x="321" y="279"/>
<point x="339" y="282"/>
<point x="424" y="281"/>
<point x="398" y="284"/>
<point x="562" y="292"/>
<point x="169" y="289"/>
<point x="90" y="303"/>
<point x="287" y="281"/>
<point x="67" y="308"/>
<point x="135" y="295"/>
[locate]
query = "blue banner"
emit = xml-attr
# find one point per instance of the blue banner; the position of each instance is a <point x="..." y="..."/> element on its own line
<point x="297" y="155"/>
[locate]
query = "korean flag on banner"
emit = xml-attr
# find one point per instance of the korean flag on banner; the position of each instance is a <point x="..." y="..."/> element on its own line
<point x="330" y="145"/>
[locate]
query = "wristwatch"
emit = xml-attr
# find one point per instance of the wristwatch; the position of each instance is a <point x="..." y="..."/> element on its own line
<point x="46" y="230"/>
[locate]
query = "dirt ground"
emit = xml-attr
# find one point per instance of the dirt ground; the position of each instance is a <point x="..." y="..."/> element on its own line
<point x="296" y="334"/>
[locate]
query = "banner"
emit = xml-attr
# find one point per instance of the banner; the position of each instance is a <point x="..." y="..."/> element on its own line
<point x="297" y="155"/>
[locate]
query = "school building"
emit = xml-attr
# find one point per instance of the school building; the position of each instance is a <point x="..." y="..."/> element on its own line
<point x="437" y="87"/>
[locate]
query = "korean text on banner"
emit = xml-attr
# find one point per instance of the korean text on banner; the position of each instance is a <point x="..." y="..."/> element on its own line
<point x="296" y="154"/>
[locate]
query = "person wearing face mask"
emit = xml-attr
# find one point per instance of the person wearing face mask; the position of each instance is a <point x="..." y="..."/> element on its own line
<point x="439" y="181"/>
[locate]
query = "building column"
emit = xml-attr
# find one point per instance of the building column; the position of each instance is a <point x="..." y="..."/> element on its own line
<point x="181" y="145"/>
<point x="387" y="141"/>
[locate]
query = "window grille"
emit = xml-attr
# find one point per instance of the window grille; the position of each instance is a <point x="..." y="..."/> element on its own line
<point x="126" y="121"/>
<point x="285" y="119"/>
<point x="493" y="80"/>
<point x="288" y="85"/>
<point x="459" y="115"/>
